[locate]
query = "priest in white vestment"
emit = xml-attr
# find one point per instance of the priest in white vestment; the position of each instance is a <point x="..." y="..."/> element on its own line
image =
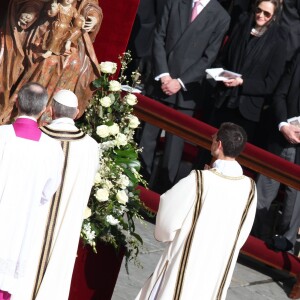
<point x="205" y="219"/>
<point x="30" y="172"/>
<point x="53" y="262"/>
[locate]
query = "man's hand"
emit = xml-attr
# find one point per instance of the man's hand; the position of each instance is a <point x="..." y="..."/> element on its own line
<point x="291" y="133"/>
<point x="165" y="79"/>
<point x="171" y="87"/>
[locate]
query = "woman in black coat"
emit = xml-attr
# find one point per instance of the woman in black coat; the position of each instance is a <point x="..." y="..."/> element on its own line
<point x="256" y="49"/>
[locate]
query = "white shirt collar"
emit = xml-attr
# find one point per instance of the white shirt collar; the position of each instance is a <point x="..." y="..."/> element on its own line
<point x="63" y="124"/>
<point x="203" y="2"/>
<point x="63" y="121"/>
<point x="228" y="167"/>
<point x="27" y="117"/>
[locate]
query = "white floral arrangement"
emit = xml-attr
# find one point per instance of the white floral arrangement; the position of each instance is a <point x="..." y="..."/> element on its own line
<point x="114" y="204"/>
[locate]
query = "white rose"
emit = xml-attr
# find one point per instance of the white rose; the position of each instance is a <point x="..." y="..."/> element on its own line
<point x="106" y="101"/>
<point x="103" y="131"/>
<point x="111" y="220"/>
<point x="123" y="181"/>
<point x="133" y="121"/>
<point x="121" y="139"/>
<point x="122" y="197"/>
<point x="108" y="184"/>
<point x="106" y="145"/>
<point x="97" y="178"/>
<point x="102" y="195"/>
<point x="114" y="129"/>
<point x="114" y="86"/>
<point x="108" y="67"/>
<point x="87" y="213"/>
<point x="131" y="99"/>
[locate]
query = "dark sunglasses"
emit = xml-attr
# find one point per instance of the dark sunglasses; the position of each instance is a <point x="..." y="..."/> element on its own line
<point x="265" y="13"/>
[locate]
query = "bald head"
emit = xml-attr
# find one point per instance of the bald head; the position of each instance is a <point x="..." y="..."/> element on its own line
<point x="32" y="99"/>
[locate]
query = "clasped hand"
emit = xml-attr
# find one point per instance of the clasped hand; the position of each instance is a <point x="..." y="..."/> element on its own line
<point x="169" y="85"/>
<point x="291" y="133"/>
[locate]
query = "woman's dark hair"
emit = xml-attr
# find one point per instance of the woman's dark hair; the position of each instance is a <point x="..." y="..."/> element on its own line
<point x="277" y="8"/>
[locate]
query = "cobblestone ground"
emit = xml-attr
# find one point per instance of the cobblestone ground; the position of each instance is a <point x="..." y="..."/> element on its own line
<point x="251" y="280"/>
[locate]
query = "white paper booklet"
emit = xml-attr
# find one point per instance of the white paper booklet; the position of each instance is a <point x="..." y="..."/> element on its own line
<point x="219" y="74"/>
<point x="130" y="89"/>
<point x="294" y="121"/>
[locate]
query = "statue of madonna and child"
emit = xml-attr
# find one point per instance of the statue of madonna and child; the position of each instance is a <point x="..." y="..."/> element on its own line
<point x="49" y="42"/>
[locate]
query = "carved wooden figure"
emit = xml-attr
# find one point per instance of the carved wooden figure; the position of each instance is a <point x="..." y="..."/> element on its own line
<point x="24" y="35"/>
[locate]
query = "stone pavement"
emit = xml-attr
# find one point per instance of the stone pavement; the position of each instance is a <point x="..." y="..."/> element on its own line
<point x="251" y="280"/>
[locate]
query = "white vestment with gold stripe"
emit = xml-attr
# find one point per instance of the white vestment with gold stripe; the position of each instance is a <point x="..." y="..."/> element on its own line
<point x="30" y="172"/>
<point x="205" y="222"/>
<point x="82" y="162"/>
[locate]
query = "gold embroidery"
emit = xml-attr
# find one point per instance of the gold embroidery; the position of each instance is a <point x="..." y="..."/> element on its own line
<point x="215" y="171"/>
<point x="162" y="273"/>
<point x="188" y="242"/>
<point x="63" y="135"/>
<point x="49" y="232"/>
<point x="243" y="218"/>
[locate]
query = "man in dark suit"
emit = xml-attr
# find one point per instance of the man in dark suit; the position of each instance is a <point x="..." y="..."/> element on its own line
<point x="284" y="142"/>
<point x="290" y="18"/>
<point x="141" y="39"/>
<point x="182" y="51"/>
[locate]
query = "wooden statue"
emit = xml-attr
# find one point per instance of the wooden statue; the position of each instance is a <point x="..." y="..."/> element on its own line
<point x="24" y="38"/>
<point x="65" y="29"/>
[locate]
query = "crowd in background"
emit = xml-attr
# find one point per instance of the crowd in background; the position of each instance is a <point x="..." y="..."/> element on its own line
<point x="261" y="43"/>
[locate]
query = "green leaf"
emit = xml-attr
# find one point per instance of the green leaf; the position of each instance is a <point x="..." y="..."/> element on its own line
<point x="126" y="153"/>
<point x="109" y="123"/>
<point x="131" y="176"/>
<point x="97" y="83"/>
<point x="124" y="160"/>
<point x="138" y="237"/>
<point x="135" y="164"/>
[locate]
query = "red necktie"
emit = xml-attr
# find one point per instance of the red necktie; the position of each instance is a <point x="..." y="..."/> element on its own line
<point x="195" y="10"/>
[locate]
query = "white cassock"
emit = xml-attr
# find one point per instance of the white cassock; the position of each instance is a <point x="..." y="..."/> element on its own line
<point x="51" y="276"/>
<point x="205" y="219"/>
<point x="30" y="172"/>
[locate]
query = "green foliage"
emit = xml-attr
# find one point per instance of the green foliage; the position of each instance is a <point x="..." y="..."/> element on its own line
<point x="114" y="203"/>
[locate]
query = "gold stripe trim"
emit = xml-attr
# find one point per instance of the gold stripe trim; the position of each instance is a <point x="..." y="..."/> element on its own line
<point x="243" y="218"/>
<point x="162" y="273"/>
<point x="63" y="135"/>
<point x="215" y="171"/>
<point x="49" y="231"/>
<point x="189" y="240"/>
